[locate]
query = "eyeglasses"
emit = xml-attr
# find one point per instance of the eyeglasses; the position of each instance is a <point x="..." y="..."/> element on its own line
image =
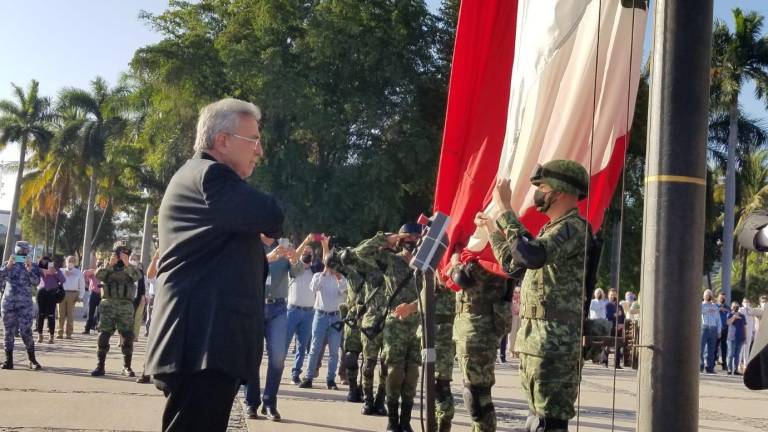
<point x="254" y="141"/>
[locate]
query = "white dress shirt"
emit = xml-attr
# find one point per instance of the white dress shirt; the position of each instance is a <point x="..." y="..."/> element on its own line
<point x="74" y="281"/>
<point x="597" y="309"/>
<point x="330" y="291"/>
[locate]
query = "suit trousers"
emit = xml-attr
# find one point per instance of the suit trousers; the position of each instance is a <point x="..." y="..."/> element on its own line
<point x="67" y="312"/>
<point x="200" y="401"/>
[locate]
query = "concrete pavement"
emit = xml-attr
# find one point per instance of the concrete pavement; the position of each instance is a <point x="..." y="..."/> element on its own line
<point x="64" y="397"/>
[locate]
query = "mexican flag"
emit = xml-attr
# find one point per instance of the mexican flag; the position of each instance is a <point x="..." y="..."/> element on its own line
<point x="533" y="81"/>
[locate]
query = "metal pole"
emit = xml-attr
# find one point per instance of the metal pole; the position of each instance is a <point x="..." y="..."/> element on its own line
<point x="673" y="234"/>
<point x="429" y="348"/>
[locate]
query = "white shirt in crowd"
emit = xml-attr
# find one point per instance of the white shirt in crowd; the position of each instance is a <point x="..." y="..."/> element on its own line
<point x="74" y="281"/>
<point x="597" y="309"/>
<point x="749" y="313"/>
<point x="330" y="291"/>
<point x="299" y="290"/>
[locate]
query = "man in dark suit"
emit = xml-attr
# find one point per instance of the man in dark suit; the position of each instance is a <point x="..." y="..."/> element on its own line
<point x="207" y="330"/>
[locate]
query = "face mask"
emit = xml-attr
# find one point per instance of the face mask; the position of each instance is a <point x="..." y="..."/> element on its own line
<point x="70" y="266"/>
<point x="306" y="259"/>
<point x="542" y="200"/>
<point x="133" y="263"/>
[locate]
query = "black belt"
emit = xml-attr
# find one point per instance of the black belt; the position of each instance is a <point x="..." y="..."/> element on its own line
<point x="274" y="301"/>
<point x="322" y="312"/>
<point x="308" y="308"/>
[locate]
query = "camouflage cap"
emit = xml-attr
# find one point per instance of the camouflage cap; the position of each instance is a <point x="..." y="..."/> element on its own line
<point x="563" y="176"/>
<point x="122" y="246"/>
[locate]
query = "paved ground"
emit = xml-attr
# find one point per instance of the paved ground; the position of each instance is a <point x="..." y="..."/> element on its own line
<point x="63" y="396"/>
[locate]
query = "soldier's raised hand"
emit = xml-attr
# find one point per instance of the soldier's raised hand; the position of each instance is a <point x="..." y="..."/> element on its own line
<point x="11" y="261"/>
<point x="502" y="195"/>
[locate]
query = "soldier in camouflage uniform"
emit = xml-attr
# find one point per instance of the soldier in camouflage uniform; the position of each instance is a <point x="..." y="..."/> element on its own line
<point x="353" y="343"/>
<point x="482" y="318"/>
<point x="373" y="346"/>
<point x="116" y="307"/>
<point x="402" y="348"/>
<point x="18" y="310"/>
<point x="445" y="350"/>
<point x="550" y="306"/>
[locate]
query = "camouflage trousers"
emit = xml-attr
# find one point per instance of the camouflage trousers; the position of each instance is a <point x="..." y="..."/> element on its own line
<point x="371" y="355"/>
<point x="116" y="315"/>
<point x="445" y="352"/>
<point x="353" y="344"/>
<point x="18" y="314"/>
<point x="402" y="355"/>
<point x="476" y="346"/>
<point x="551" y="384"/>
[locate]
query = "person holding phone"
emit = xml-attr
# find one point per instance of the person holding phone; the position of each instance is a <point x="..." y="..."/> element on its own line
<point x="18" y="278"/>
<point x="51" y="277"/>
<point x="737" y="334"/>
<point x="116" y="308"/>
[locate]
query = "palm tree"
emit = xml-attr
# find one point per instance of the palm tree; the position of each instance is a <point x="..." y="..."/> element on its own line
<point x="58" y="176"/>
<point x="102" y="107"/>
<point x="737" y="57"/>
<point x="25" y="121"/>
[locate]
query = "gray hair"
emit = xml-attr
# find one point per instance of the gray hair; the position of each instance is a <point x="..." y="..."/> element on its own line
<point x="221" y="116"/>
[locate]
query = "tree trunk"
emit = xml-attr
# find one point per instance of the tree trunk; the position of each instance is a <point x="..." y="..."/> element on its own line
<point x="730" y="200"/>
<point x="10" y="236"/>
<point x="743" y="282"/>
<point x="89" y="222"/>
<point x="45" y="233"/>
<point x="146" y="241"/>
<point x="101" y="221"/>
<point x="56" y="226"/>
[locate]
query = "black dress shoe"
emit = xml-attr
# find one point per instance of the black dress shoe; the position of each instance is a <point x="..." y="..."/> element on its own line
<point x="331" y="385"/>
<point x="307" y="383"/>
<point x="250" y="411"/>
<point x="271" y="413"/>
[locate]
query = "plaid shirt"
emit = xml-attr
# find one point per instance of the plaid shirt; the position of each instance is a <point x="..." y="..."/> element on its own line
<point x="710" y="315"/>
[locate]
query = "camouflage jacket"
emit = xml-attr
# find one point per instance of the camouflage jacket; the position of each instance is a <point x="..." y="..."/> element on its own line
<point x="18" y="283"/>
<point x="394" y="269"/>
<point x="550" y="302"/>
<point x="118" y="284"/>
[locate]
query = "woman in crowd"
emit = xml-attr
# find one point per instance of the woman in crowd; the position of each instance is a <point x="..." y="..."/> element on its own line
<point x="51" y="278"/>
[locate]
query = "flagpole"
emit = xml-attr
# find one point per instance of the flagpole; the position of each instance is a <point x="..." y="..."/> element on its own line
<point x="673" y="232"/>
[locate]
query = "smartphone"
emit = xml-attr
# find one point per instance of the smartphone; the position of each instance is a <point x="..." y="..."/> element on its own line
<point x="284" y="243"/>
<point x="50" y="266"/>
<point x="318" y="237"/>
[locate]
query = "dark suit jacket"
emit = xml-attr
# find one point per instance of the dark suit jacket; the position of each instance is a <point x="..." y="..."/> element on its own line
<point x="209" y="303"/>
<point x="756" y="374"/>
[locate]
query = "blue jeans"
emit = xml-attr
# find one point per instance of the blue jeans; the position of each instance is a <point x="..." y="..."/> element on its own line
<point x="299" y="324"/>
<point x="321" y="329"/>
<point x="275" y="334"/>
<point x="734" y="349"/>
<point x="708" y="345"/>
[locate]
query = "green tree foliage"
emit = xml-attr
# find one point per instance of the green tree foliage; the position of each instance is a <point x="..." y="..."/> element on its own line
<point x="353" y="94"/>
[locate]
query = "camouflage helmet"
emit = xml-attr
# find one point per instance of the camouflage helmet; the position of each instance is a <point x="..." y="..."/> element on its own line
<point x="121" y="246"/>
<point x="563" y="176"/>
<point x="411" y="228"/>
<point x="21" y="248"/>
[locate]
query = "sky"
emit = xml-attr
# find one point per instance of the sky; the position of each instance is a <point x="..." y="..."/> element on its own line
<point x="68" y="43"/>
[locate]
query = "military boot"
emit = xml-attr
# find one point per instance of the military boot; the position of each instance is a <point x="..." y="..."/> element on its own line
<point x="127" y="371"/>
<point x="405" y="416"/>
<point x="8" y="360"/>
<point x="393" y="424"/>
<point x="33" y="364"/>
<point x="379" y="407"/>
<point x="354" y="391"/>
<point x="367" y="401"/>
<point x="99" y="371"/>
<point x="549" y="424"/>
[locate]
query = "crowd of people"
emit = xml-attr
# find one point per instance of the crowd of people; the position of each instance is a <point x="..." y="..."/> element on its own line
<point x="57" y="284"/>
<point x="728" y="333"/>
